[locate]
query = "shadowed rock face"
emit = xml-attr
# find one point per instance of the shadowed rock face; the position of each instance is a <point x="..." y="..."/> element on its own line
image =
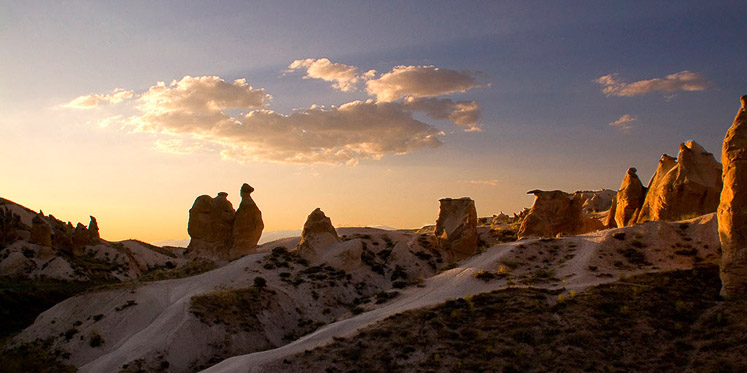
<point x="627" y="203"/>
<point x="689" y="187"/>
<point x="732" y="211"/>
<point x="553" y="212"/>
<point x="41" y="232"/>
<point x="456" y="227"/>
<point x="318" y="233"/>
<point x="211" y="226"/>
<point x="247" y="226"/>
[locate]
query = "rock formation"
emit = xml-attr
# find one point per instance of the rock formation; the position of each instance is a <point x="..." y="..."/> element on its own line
<point x="499" y="220"/>
<point x="210" y="226"/>
<point x="553" y="212"/>
<point x="685" y="188"/>
<point x="93" y="231"/>
<point x="456" y="227"/>
<point x="732" y="210"/>
<point x="318" y="233"/>
<point x="627" y="203"/>
<point x="596" y="201"/>
<point x="220" y="233"/>
<point x="247" y="225"/>
<point x="41" y="232"/>
<point x="9" y="223"/>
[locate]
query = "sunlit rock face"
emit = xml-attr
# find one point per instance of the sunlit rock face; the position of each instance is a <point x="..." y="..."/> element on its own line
<point x="553" y="212"/>
<point x="685" y="188"/>
<point x="627" y="203"/>
<point x="732" y="210"/>
<point x="318" y="233"/>
<point x="456" y="227"/>
<point x="247" y="225"/>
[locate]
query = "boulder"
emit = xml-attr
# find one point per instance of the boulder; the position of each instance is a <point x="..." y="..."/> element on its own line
<point x="732" y="210"/>
<point x="627" y="203"/>
<point x="318" y="234"/>
<point x="553" y="212"/>
<point x="41" y="232"/>
<point x="683" y="188"/>
<point x="456" y="227"/>
<point x="247" y="226"/>
<point x="210" y="227"/>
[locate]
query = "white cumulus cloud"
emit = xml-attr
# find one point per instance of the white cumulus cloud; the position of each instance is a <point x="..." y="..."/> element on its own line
<point x="462" y="113"/>
<point x="624" y="123"/>
<point x="344" y="77"/>
<point x="93" y="100"/>
<point x="420" y="81"/>
<point x="681" y="81"/>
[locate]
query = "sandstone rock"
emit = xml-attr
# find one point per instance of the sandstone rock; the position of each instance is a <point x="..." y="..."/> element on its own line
<point x="732" y="210"/>
<point x="553" y="212"/>
<point x="247" y="226"/>
<point x="499" y="220"/>
<point x="456" y="227"/>
<point x="685" y="188"/>
<point x="41" y="232"/>
<point x="210" y="227"/>
<point x="62" y="235"/>
<point x="596" y="201"/>
<point x="93" y="231"/>
<point x="9" y="223"/>
<point x="318" y="234"/>
<point x="81" y="239"/>
<point x="627" y="203"/>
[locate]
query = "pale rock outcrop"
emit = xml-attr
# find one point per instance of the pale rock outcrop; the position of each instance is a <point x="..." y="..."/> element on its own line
<point x="732" y="210"/>
<point x="456" y="227"/>
<point x="41" y="232"/>
<point x="681" y="189"/>
<point x="627" y="203"/>
<point x="553" y="212"/>
<point x="318" y="233"/>
<point x="210" y="227"/>
<point x="499" y="220"/>
<point x="596" y="200"/>
<point x="247" y="226"/>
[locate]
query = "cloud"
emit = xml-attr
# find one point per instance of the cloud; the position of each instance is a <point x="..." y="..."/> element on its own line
<point x="194" y="105"/>
<point x="491" y="183"/>
<point x="462" y="113"/>
<point x="176" y="146"/>
<point x="344" y="76"/>
<point x="420" y="81"/>
<point x="346" y="134"/>
<point x="91" y="101"/>
<point x="624" y="124"/>
<point x="681" y="81"/>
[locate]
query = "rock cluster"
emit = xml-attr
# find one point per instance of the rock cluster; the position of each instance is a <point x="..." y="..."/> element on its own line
<point x="596" y="200"/>
<point x="689" y="188"/>
<point x="682" y="187"/>
<point x="553" y="212"/>
<point x="318" y="233"/>
<point x="732" y="210"/>
<point x="218" y="232"/>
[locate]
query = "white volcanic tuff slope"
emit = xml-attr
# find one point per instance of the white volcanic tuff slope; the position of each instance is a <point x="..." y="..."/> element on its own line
<point x="154" y="322"/>
<point x="578" y="262"/>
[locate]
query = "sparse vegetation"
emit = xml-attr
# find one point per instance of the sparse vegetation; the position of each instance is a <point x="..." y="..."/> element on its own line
<point x="192" y="268"/>
<point x="619" y="327"/>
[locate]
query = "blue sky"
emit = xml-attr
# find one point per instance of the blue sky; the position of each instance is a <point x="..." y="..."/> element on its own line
<point x="545" y="120"/>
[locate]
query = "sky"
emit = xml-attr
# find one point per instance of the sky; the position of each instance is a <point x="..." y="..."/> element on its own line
<point x="372" y="111"/>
